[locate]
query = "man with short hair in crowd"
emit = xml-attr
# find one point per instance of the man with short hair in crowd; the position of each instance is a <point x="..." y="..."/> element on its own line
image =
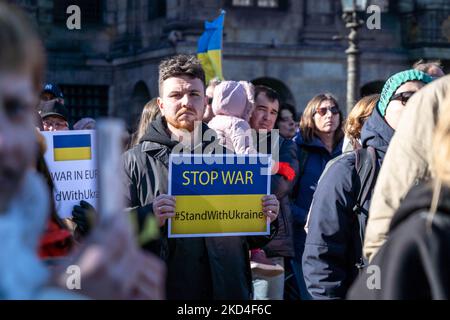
<point x="267" y="284"/>
<point x="198" y="268"/>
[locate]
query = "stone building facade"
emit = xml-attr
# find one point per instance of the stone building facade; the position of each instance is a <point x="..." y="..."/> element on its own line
<point x="110" y="65"/>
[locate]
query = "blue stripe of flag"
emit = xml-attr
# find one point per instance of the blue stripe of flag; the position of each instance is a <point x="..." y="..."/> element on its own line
<point x="72" y="141"/>
<point x="211" y="39"/>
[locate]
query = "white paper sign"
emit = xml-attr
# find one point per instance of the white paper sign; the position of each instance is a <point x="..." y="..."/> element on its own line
<point x="71" y="159"/>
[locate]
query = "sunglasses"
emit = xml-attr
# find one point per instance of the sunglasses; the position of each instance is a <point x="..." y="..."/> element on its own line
<point x="323" y="110"/>
<point x="403" y="96"/>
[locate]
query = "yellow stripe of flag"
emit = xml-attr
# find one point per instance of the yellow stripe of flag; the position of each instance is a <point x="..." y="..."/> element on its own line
<point x="187" y="205"/>
<point x="66" y="154"/>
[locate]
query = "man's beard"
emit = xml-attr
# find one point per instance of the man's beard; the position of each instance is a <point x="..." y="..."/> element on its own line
<point x="189" y="126"/>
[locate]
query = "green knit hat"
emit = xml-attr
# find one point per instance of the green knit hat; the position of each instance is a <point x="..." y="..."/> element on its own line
<point x="394" y="82"/>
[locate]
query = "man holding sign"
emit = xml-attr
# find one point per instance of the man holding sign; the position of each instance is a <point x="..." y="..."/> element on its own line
<point x="198" y="267"/>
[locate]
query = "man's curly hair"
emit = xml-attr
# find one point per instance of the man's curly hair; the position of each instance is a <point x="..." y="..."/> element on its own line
<point x="180" y="65"/>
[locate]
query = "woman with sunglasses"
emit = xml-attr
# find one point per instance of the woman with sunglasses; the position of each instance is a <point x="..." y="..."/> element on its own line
<point x="319" y="140"/>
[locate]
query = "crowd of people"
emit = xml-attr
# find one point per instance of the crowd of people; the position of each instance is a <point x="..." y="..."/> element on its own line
<point x="346" y="195"/>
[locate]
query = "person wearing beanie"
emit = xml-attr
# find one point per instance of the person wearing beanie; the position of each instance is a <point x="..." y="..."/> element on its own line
<point x="408" y="160"/>
<point x="336" y="224"/>
<point x="391" y="92"/>
<point x="232" y="105"/>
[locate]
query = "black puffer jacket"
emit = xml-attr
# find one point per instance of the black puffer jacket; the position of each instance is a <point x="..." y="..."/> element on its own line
<point x="414" y="262"/>
<point x="198" y="268"/>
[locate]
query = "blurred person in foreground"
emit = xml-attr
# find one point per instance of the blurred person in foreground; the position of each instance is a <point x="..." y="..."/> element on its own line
<point x="418" y="241"/>
<point x="111" y="266"/>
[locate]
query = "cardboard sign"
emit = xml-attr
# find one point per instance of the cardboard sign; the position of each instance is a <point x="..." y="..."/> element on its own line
<point x="218" y="195"/>
<point x="70" y="159"/>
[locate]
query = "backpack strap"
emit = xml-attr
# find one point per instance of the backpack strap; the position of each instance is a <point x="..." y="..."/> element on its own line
<point x="366" y="168"/>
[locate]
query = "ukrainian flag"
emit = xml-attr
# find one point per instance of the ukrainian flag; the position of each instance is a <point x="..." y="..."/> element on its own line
<point x="210" y="48"/>
<point x="72" y="147"/>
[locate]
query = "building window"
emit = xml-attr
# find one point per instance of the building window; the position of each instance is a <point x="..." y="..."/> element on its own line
<point x="241" y="3"/>
<point x="382" y="4"/>
<point x="91" y="10"/>
<point x="427" y="28"/>
<point x="26" y="3"/>
<point x="85" y="101"/>
<point x="321" y="12"/>
<point x="267" y="4"/>
<point x="156" y="9"/>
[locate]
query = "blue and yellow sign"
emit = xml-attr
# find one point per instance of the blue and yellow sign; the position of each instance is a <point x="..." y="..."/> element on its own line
<point x="218" y="195"/>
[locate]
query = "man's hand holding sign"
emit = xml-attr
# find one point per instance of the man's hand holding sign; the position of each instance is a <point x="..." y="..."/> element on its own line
<point x="164" y="207"/>
<point x="271" y="206"/>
